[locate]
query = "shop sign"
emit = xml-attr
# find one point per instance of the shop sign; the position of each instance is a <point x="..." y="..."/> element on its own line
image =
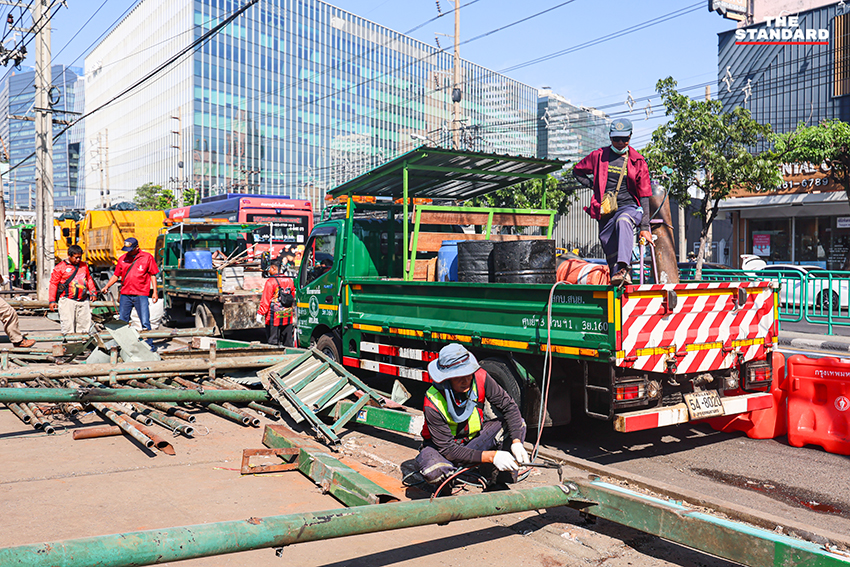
<point x="761" y="244"/>
<point x="842" y="222"/>
<point x="802" y="177"/>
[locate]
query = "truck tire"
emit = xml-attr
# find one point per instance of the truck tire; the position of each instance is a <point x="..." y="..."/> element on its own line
<point x="330" y="347"/>
<point x="505" y="376"/>
<point x="204" y="317"/>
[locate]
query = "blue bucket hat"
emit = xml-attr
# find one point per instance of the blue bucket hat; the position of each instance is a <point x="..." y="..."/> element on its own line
<point x="454" y="361"/>
<point x="620" y="128"/>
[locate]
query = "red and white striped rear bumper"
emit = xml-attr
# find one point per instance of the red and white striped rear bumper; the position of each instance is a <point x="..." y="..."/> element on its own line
<point x="672" y="415"/>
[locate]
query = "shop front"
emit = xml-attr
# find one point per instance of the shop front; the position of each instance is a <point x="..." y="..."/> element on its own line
<point x="803" y="228"/>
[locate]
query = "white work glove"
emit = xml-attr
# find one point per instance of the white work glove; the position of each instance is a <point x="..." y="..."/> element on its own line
<point x="260" y="319"/>
<point x="520" y="453"/>
<point x="504" y="461"/>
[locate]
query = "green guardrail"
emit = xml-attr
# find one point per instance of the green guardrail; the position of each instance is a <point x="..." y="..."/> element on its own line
<point x="820" y="297"/>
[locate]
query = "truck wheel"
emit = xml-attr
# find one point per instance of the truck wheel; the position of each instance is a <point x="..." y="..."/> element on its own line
<point x="329" y="346"/>
<point x="505" y="376"/>
<point x="204" y="317"/>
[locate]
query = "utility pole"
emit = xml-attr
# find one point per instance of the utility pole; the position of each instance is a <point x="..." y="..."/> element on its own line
<point x="709" y="236"/>
<point x="179" y="147"/>
<point x="456" y="91"/>
<point x="43" y="150"/>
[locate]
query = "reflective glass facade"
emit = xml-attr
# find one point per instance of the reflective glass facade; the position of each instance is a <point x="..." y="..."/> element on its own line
<point x="17" y="97"/>
<point x="292" y="98"/>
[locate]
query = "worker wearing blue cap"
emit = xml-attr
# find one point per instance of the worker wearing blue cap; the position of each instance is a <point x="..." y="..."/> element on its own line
<point x="620" y="200"/>
<point x="136" y="270"/>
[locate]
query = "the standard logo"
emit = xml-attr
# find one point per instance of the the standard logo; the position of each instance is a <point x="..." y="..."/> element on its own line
<point x="314" y="306"/>
<point x="782" y="30"/>
<point x="842" y="403"/>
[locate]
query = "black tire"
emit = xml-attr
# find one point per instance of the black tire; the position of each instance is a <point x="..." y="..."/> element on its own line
<point x="205" y="317"/>
<point x="828" y="302"/>
<point x="330" y="347"/>
<point x="505" y="376"/>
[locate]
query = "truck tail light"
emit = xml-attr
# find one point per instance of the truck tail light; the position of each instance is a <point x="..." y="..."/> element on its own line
<point x="629" y="392"/>
<point x="759" y="375"/>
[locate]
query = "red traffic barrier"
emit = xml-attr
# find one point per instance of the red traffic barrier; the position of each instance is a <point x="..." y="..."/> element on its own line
<point x="819" y="403"/>
<point x="761" y="424"/>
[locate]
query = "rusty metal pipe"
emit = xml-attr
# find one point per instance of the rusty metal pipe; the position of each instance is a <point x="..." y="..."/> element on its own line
<point x="95" y="432"/>
<point x="165" y="421"/>
<point x="104" y="370"/>
<point x="33" y="420"/>
<point x="158" y="334"/>
<point x="225" y="410"/>
<point x="271" y="413"/>
<point x="662" y="232"/>
<point x="22" y="415"/>
<point x="57" y="395"/>
<point x="158" y="441"/>
<point x="123" y="424"/>
<point x="252" y="420"/>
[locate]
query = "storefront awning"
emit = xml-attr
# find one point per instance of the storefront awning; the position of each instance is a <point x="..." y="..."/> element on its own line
<point x="827" y="203"/>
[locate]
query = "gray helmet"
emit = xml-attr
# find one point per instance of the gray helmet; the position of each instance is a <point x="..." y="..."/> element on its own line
<point x="620" y="128"/>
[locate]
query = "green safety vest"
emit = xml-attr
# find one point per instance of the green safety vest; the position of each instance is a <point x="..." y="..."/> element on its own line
<point x="436" y="399"/>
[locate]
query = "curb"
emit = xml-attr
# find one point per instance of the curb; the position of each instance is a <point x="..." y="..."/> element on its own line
<point x="814" y="344"/>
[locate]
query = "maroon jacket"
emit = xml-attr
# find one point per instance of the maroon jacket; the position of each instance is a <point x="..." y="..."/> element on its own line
<point x="637" y="176"/>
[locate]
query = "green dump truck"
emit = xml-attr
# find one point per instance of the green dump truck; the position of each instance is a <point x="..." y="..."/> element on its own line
<point x="226" y="292"/>
<point x="641" y="356"/>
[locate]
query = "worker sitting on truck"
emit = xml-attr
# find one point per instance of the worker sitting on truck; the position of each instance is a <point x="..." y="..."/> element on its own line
<point x="455" y="433"/>
<point x="71" y="287"/>
<point x="276" y="306"/>
<point x="620" y="200"/>
<point x="137" y="271"/>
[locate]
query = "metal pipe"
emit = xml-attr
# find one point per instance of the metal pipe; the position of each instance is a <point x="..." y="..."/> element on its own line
<point x="205" y="540"/>
<point x="265" y="410"/>
<point x="232" y="413"/>
<point x="169" y="408"/>
<point x="165" y="421"/>
<point x="42" y="422"/>
<point x="16" y="409"/>
<point x="227" y="414"/>
<point x="123" y="424"/>
<point x="58" y="395"/>
<point x="105" y="369"/>
<point x="158" y="441"/>
<point x="95" y="432"/>
<point x="252" y="421"/>
<point x="158" y="334"/>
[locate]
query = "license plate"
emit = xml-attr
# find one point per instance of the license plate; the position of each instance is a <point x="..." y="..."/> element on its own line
<point x="704" y="404"/>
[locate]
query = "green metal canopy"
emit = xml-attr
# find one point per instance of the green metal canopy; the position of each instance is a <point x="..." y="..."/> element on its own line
<point x="438" y="173"/>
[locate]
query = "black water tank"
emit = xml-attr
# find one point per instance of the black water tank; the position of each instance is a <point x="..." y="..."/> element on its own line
<point x="475" y="261"/>
<point x="524" y="261"/>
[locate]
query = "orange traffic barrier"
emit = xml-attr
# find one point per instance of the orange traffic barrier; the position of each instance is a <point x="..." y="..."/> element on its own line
<point x="576" y="271"/>
<point x="761" y="424"/>
<point x="819" y="403"/>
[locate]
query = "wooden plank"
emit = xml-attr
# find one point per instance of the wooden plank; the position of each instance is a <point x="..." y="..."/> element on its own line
<point x="452" y="218"/>
<point x="499" y="219"/>
<point x="425" y="270"/>
<point x="522" y="219"/>
<point x="432" y="241"/>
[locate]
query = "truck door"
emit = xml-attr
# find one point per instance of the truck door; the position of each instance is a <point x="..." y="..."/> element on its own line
<point x="318" y="282"/>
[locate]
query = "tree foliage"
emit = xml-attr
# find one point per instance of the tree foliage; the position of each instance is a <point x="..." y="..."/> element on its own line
<point x="529" y="195"/>
<point x="703" y="147"/>
<point x="827" y="142"/>
<point x="148" y="197"/>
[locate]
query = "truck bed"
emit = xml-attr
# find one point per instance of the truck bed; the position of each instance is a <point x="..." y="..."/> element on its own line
<point x="634" y="326"/>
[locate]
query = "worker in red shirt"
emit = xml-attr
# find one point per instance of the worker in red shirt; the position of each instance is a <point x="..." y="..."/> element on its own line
<point x="71" y="287"/>
<point x="137" y="272"/>
<point x="276" y="307"/>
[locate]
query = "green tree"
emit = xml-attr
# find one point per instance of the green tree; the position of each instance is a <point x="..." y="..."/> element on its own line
<point x="190" y="196"/>
<point x="828" y="142"/>
<point x="166" y="200"/>
<point x="703" y="147"/>
<point x="529" y="195"/>
<point x="147" y="197"/>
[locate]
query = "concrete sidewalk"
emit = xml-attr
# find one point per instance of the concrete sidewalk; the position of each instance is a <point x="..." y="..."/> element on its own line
<point x="814" y="341"/>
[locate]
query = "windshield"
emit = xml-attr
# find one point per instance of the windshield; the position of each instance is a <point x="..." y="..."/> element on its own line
<point x="287" y="229"/>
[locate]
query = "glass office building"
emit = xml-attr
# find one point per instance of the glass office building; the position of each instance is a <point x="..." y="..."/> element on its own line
<point x="293" y="97"/>
<point x="17" y="98"/>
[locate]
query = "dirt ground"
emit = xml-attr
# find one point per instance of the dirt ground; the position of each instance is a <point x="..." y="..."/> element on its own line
<point x="54" y="488"/>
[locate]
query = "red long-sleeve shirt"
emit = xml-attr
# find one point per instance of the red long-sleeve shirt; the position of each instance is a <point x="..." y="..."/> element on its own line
<point x="270" y="297"/>
<point x="596" y="163"/>
<point x="82" y="281"/>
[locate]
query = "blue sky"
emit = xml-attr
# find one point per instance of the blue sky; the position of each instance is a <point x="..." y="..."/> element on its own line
<point x="684" y="47"/>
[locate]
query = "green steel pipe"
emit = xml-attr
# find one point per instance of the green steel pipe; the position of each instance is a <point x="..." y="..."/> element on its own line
<point x="228" y="414"/>
<point x="205" y="540"/>
<point x="16" y="409"/>
<point x="123" y="424"/>
<point x="271" y="413"/>
<point x="105" y="369"/>
<point x="59" y="395"/>
<point x="165" y="421"/>
<point x="158" y="334"/>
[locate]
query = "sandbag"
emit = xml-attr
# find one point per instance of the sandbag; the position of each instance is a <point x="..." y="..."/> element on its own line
<point x="580" y="272"/>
